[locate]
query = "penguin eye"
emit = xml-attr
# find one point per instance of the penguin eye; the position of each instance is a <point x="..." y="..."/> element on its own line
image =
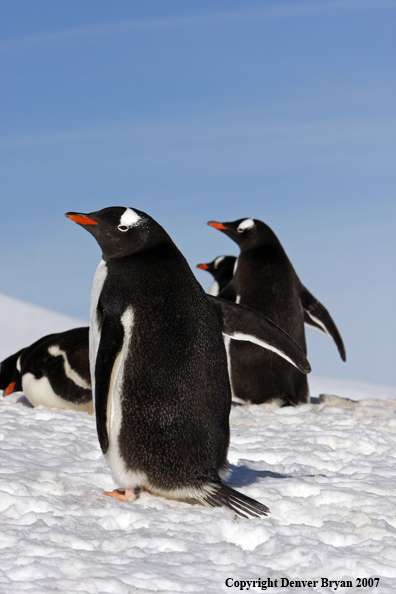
<point x="122" y="227"/>
<point x="240" y="230"/>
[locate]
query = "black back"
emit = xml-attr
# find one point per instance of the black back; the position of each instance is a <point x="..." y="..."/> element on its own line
<point x="37" y="360"/>
<point x="176" y="382"/>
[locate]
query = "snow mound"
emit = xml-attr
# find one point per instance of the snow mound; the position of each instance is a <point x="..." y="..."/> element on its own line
<point x="326" y="471"/>
<point x="22" y="323"/>
<point x="344" y="388"/>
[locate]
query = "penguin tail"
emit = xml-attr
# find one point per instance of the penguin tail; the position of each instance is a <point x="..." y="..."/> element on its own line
<point x="219" y="495"/>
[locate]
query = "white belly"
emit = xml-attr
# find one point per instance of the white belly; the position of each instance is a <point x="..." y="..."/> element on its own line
<point x="94" y="331"/>
<point x="214" y="289"/>
<point x="40" y="393"/>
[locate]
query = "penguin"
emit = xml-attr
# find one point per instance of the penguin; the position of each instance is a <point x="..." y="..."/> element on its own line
<point x="265" y="280"/>
<point x="52" y="372"/>
<point x="221" y="269"/>
<point x="158" y="365"/>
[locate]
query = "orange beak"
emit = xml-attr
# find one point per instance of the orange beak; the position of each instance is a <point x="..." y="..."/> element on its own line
<point x="9" y="389"/>
<point x="217" y="225"/>
<point x="203" y="266"/>
<point x="81" y="219"/>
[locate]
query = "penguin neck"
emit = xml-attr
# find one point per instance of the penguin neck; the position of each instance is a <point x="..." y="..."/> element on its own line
<point x="153" y="247"/>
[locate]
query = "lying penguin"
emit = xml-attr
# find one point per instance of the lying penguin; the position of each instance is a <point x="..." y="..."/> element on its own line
<point x="265" y="280"/>
<point x="158" y="364"/>
<point x="221" y="269"/>
<point x="52" y="372"/>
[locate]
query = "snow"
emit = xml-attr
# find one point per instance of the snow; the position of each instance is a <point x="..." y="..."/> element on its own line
<point x="22" y="323"/>
<point x="326" y="470"/>
<point x="349" y="389"/>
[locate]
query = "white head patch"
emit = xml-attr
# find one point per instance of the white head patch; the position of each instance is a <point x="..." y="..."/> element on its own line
<point x="218" y="260"/>
<point x="129" y="219"/>
<point x="246" y="224"/>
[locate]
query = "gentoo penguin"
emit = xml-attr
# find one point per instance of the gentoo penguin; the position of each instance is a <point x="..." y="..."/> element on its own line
<point x="158" y="364"/>
<point x="264" y="279"/>
<point x="221" y="269"/>
<point x="52" y="372"/>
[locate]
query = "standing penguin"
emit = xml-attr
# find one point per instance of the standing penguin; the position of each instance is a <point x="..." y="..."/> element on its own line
<point x="158" y="364"/>
<point x="221" y="269"/>
<point x="52" y="372"/>
<point x="265" y="280"/>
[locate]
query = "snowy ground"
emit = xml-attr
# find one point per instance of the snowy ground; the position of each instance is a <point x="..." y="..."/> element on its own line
<point x="327" y="472"/>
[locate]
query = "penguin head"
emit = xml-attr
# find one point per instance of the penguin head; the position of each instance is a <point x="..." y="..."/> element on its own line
<point x="121" y="231"/>
<point x="15" y="384"/>
<point x="219" y="264"/>
<point x="246" y="233"/>
<point x="10" y="373"/>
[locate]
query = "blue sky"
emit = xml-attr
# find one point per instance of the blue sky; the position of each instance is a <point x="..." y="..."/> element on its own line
<point x="192" y="111"/>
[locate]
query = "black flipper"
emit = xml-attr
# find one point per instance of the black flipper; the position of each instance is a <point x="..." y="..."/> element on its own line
<point x="242" y="323"/>
<point x="316" y="315"/>
<point x="219" y="495"/>
<point x="111" y="341"/>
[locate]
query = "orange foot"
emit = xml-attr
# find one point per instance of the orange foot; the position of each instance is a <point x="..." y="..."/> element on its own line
<point x="127" y="495"/>
<point x="117" y="494"/>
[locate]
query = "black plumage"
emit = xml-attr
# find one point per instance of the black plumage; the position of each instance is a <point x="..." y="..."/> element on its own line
<point x="162" y="393"/>
<point x="265" y="280"/>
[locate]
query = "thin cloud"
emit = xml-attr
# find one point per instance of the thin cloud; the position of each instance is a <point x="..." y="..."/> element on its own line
<point x="249" y="122"/>
<point x="220" y="149"/>
<point x="188" y="143"/>
<point x="333" y="130"/>
<point x="274" y="12"/>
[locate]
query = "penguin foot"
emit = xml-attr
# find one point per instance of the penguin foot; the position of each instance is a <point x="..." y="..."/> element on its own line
<point x="128" y="495"/>
<point x="120" y="495"/>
